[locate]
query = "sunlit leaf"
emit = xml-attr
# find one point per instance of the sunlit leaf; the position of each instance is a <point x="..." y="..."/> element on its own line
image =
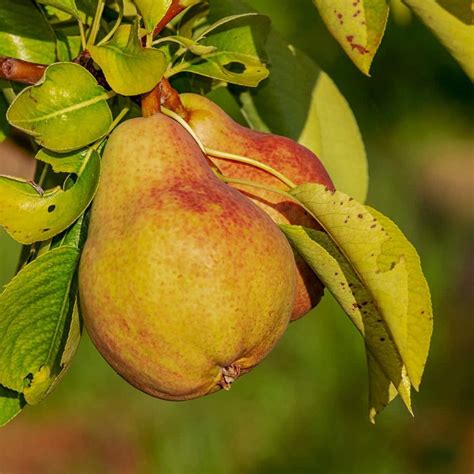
<point x="25" y="33"/>
<point x="65" y="111"/>
<point x="451" y="21"/>
<point x="29" y="215"/>
<point x="360" y="301"/>
<point x="420" y="313"/>
<point x="238" y="57"/>
<point x="358" y="26"/>
<point x="129" y="68"/>
<point x="152" y="11"/>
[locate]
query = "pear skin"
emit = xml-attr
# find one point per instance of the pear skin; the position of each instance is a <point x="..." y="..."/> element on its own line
<point x="217" y="130"/>
<point x="184" y="282"/>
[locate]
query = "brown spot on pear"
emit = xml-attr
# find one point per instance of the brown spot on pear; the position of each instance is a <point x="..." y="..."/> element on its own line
<point x="218" y="131"/>
<point x="184" y="282"/>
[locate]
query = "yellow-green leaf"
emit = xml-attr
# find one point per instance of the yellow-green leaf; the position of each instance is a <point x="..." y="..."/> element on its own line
<point x="357" y="25"/>
<point x="381" y="389"/>
<point x="420" y="314"/>
<point x="356" y="298"/>
<point x="451" y="22"/>
<point x="29" y="214"/>
<point x="129" y="68"/>
<point x="387" y="266"/>
<point x="152" y="11"/>
<point x="65" y="111"/>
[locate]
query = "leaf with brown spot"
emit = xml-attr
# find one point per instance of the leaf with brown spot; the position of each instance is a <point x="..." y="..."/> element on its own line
<point x="357" y="25"/>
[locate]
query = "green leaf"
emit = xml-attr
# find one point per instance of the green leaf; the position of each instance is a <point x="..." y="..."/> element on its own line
<point x="11" y="403"/>
<point x="4" y="127"/>
<point x="67" y="99"/>
<point x="451" y="22"/>
<point x="30" y="215"/>
<point x="34" y="311"/>
<point x="129" y="68"/>
<point x="315" y="114"/>
<point x="359" y="300"/>
<point x="64" y="163"/>
<point x="68" y="6"/>
<point x="25" y="33"/>
<point x="381" y="390"/>
<point x="68" y="47"/>
<point x="152" y="12"/>
<point x="420" y="313"/>
<point x="238" y="56"/>
<point x="376" y="276"/>
<point x="358" y="26"/>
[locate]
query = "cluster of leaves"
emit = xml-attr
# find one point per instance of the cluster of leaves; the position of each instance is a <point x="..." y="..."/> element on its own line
<point x="101" y="55"/>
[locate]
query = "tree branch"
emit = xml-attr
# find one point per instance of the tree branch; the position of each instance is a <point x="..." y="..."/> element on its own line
<point x="175" y="9"/>
<point x="20" y="71"/>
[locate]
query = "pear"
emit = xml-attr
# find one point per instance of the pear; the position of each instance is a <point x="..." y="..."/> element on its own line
<point x="184" y="282"/>
<point x="216" y="130"/>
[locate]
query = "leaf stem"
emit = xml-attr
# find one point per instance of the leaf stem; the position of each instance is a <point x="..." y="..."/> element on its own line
<point x="115" y="27"/>
<point x="185" y="125"/>
<point x="96" y="23"/>
<point x="181" y="67"/>
<point x="82" y="34"/>
<point x="252" y="162"/>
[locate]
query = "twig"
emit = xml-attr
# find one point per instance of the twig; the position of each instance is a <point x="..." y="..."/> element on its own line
<point x="175" y="9"/>
<point x="20" y="71"/>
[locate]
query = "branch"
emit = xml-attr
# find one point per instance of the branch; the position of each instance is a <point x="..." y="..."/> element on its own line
<point x="175" y="9"/>
<point x="20" y="71"/>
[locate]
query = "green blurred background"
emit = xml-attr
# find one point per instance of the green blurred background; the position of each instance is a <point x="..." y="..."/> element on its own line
<point x="304" y="410"/>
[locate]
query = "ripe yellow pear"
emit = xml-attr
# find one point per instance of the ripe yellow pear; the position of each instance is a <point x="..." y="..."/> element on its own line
<point x="184" y="283"/>
<point x="218" y="131"/>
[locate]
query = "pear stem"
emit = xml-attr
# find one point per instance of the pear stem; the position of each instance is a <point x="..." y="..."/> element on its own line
<point x="257" y="164"/>
<point x="185" y="125"/>
<point x="271" y="189"/>
<point x="228" y="156"/>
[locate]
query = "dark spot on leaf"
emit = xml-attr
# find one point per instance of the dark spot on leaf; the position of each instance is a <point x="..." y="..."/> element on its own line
<point x="382" y="339"/>
<point x="235" y="67"/>
<point x="360" y="216"/>
<point x="51" y="208"/>
<point x="46" y="229"/>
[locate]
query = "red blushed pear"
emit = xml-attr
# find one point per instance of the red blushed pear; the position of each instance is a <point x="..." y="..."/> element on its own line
<point x="184" y="282"/>
<point x="216" y="130"/>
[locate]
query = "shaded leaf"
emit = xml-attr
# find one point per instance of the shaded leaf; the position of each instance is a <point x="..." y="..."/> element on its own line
<point x="315" y="114"/>
<point x="30" y="215"/>
<point x="33" y="310"/>
<point x="451" y="22"/>
<point x="129" y="68"/>
<point x="358" y="26"/>
<point x="4" y="127"/>
<point x="381" y="390"/>
<point x="68" y="99"/>
<point x="25" y="33"/>
<point x="11" y="403"/>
